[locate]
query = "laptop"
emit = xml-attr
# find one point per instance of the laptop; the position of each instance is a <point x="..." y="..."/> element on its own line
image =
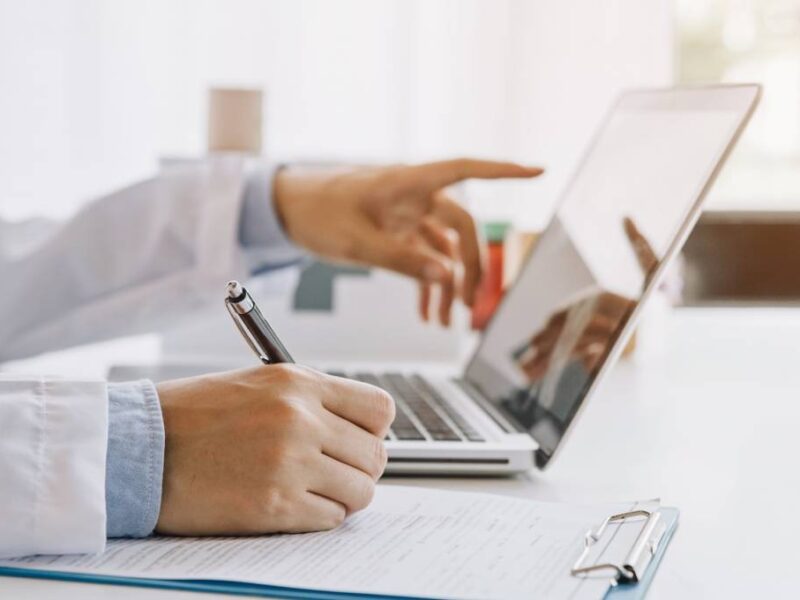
<point x="623" y="217"/>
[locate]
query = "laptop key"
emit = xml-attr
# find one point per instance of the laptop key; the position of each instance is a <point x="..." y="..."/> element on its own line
<point x="411" y="434"/>
<point x="446" y="436"/>
<point x="437" y="427"/>
<point x="368" y="378"/>
<point x="466" y="427"/>
<point x="402" y="426"/>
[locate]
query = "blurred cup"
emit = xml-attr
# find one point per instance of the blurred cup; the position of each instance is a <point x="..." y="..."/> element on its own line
<point x="234" y="120"/>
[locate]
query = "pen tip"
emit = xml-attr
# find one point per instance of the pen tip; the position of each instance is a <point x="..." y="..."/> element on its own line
<point x="234" y="289"/>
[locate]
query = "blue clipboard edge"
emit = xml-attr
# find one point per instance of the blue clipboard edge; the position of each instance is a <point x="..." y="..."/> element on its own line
<point x="639" y="590"/>
<point x="194" y="585"/>
<point x="620" y="592"/>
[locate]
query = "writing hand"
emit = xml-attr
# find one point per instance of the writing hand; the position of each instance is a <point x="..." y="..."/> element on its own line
<point x="280" y="448"/>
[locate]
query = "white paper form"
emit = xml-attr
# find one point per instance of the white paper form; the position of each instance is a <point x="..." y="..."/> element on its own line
<point x="409" y="542"/>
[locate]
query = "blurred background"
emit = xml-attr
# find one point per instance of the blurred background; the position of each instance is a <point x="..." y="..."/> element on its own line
<point x="95" y="93"/>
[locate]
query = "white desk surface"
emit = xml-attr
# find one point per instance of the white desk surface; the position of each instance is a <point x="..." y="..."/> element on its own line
<point x="711" y="427"/>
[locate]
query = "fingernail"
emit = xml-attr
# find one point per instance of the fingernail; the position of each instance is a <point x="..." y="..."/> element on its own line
<point x="433" y="272"/>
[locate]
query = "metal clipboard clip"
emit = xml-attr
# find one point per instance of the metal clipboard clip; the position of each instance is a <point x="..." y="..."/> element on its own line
<point x="638" y="557"/>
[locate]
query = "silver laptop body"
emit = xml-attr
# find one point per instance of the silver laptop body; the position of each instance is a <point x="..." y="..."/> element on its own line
<point x="627" y="211"/>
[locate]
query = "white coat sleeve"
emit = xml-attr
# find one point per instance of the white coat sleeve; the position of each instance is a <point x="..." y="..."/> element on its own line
<point x="52" y="466"/>
<point x="127" y="263"/>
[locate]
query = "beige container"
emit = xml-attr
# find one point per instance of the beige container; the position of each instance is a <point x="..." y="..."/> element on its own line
<point x="235" y="120"/>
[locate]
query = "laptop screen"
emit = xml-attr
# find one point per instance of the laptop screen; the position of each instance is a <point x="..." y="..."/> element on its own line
<point x="625" y="212"/>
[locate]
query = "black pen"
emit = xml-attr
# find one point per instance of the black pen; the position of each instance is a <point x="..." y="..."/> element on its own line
<point x="254" y="327"/>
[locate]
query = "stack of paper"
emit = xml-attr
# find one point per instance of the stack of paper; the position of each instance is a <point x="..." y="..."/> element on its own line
<point x="410" y="542"/>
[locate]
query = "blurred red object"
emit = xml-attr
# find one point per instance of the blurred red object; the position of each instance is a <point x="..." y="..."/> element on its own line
<point x="490" y="291"/>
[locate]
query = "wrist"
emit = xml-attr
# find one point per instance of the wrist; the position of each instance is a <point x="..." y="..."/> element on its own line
<point x="304" y="201"/>
<point x="279" y="194"/>
<point x="288" y="188"/>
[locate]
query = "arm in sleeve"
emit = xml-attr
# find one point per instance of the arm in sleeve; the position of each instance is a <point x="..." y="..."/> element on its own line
<point x="140" y="258"/>
<point x="52" y="466"/>
<point x="135" y="459"/>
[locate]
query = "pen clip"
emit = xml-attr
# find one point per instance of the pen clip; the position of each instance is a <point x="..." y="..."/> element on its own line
<point x="245" y="333"/>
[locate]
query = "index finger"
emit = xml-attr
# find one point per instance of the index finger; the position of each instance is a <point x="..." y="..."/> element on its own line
<point x="454" y="216"/>
<point x="645" y="255"/>
<point x="436" y="175"/>
<point x="367" y="406"/>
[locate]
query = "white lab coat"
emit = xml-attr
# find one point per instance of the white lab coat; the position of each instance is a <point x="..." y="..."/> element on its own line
<point x="124" y="264"/>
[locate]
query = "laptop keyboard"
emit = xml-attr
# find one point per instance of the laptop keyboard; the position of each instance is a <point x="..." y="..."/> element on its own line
<point x="422" y="413"/>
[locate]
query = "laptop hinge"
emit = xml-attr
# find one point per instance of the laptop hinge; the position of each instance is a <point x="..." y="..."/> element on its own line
<point x="541" y="458"/>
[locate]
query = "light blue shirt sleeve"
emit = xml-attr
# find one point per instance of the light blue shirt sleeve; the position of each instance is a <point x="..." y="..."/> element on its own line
<point x="134" y="459"/>
<point x="261" y="233"/>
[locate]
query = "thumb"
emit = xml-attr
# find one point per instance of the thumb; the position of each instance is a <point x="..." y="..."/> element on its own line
<point x="404" y="257"/>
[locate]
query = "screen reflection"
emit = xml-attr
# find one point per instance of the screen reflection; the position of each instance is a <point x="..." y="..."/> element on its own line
<point x="618" y="219"/>
<point x="560" y="359"/>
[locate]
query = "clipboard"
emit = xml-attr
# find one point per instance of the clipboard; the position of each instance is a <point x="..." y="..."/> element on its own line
<point x="650" y="550"/>
<point x="630" y="577"/>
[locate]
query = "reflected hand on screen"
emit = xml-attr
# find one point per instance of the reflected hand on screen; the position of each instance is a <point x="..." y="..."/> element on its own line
<point x="609" y="314"/>
<point x="645" y="255"/>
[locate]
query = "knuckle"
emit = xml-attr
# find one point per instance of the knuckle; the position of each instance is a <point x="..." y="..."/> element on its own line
<point x="290" y="370"/>
<point x="335" y="517"/>
<point x="394" y="176"/>
<point x="379" y="457"/>
<point x="388" y="179"/>
<point x="282" y="374"/>
<point x="271" y="506"/>
<point x="364" y="492"/>
<point x="464" y="222"/>
<point x="292" y="415"/>
<point x="384" y="407"/>
<point x="289" y="377"/>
